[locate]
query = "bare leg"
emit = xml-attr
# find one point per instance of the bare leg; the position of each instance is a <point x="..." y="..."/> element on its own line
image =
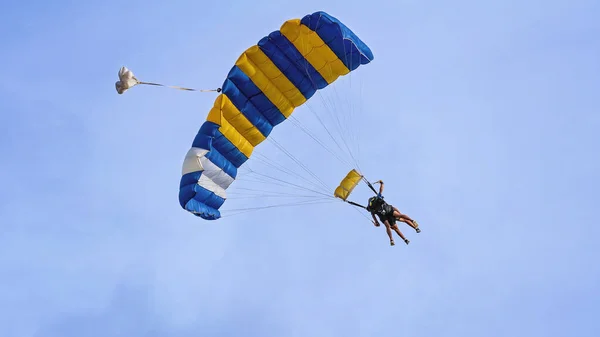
<point x="397" y="214"/>
<point x="406" y="219"/>
<point x="397" y="230"/>
<point x="389" y="231"/>
<point x="406" y="222"/>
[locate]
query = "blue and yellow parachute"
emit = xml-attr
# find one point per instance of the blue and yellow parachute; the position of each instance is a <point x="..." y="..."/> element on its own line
<point x="268" y="81"/>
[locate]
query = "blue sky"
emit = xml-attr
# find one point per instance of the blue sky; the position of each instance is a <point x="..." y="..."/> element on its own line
<point x="480" y="116"/>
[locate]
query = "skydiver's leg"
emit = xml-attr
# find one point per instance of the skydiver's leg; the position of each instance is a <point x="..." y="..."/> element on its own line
<point x="397" y="230"/>
<point x="389" y="231"/>
<point x="406" y="219"/>
<point x="410" y="224"/>
<point x="397" y="214"/>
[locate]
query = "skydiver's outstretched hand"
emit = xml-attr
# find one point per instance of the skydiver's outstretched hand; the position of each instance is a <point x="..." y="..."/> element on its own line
<point x="375" y="223"/>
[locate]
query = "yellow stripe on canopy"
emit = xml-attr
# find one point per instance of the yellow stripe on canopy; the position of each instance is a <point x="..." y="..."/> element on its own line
<point x="314" y="49"/>
<point x="262" y="62"/>
<point x="265" y="75"/>
<point x="234" y="125"/>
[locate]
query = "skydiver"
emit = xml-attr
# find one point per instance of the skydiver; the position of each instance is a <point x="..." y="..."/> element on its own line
<point x="388" y="214"/>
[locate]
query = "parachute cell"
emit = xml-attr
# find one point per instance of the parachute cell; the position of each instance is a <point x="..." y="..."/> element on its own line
<point x="347" y="185"/>
<point x="268" y="81"/>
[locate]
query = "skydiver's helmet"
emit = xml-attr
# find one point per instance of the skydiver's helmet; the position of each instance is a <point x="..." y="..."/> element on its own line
<point x="374" y="203"/>
<point x="370" y="204"/>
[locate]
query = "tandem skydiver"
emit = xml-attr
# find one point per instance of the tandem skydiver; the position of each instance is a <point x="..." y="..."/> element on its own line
<point x="388" y="214"/>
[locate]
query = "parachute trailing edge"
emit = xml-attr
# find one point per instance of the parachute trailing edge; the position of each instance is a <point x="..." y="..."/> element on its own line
<point x="268" y="81"/>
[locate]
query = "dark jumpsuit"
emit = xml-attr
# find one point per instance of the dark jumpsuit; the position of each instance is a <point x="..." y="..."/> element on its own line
<point x="383" y="210"/>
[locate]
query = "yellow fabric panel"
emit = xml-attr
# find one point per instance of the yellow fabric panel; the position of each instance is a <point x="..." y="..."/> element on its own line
<point x="265" y="85"/>
<point x="347" y="184"/>
<point x="261" y="61"/>
<point x="214" y="115"/>
<point x="219" y="115"/>
<point x="314" y="49"/>
<point x="240" y="122"/>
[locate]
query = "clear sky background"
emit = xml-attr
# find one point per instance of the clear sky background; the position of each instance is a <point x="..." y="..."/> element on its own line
<point x="482" y="118"/>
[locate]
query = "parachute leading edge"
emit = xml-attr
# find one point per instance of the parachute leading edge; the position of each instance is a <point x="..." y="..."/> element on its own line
<point x="268" y="81"/>
<point x="347" y="185"/>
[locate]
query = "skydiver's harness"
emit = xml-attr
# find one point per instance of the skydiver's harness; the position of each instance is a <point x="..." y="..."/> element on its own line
<point x="376" y="205"/>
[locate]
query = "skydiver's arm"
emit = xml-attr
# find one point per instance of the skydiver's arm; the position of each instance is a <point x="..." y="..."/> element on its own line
<point x="375" y="222"/>
<point x="380" y="186"/>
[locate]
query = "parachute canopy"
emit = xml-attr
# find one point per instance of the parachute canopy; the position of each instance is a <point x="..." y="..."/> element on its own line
<point x="347" y="185"/>
<point x="268" y="81"/>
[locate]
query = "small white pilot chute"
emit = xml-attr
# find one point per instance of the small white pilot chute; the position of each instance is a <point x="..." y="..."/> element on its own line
<point x="127" y="80"/>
